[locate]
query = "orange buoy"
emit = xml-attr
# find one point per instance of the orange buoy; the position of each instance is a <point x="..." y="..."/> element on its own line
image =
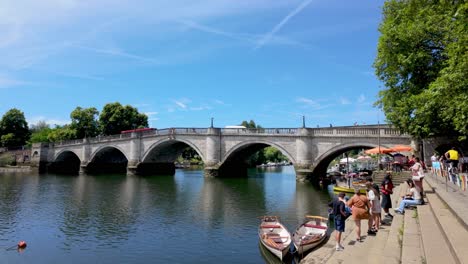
<point x="21" y="244"/>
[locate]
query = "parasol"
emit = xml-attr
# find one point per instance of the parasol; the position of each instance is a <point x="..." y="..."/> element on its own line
<point x="378" y="150"/>
<point x="398" y="148"/>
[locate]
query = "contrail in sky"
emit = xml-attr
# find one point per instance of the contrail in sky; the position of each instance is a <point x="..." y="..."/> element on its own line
<point x="285" y="20"/>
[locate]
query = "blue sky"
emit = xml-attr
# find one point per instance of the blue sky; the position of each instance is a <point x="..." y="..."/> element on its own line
<point x="182" y="62"/>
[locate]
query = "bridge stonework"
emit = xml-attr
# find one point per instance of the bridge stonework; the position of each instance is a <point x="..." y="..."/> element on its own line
<point x="223" y="150"/>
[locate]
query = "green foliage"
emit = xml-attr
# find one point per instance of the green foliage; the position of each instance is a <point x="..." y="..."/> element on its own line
<point x="114" y="118"/>
<point x="268" y="154"/>
<point x="39" y="132"/>
<point x="274" y="155"/>
<point x="14" y="123"/>
<point x="61" y="133"/>
<point x="250" y="124"/>
<point x="84" y="122"/>
<point x="423" y="61"/>
<point x="9" y="140"/>
<point x="7" y="160"/>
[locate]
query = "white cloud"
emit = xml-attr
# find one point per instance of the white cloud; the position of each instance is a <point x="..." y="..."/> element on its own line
<point x="344" y="101"/>
<point x="200" y="108"/>
<point x="181" y="104"/>
<point x="6" y="82"/>
<point x="361" y="98"/>
<point x="151" y="113"/>
<point x="118" y="53"/>
<point x="308" y="102"/>
<point x="263" y="41"/>
<point x="50" y="121"/>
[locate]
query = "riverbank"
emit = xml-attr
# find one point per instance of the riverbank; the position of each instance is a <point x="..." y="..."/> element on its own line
<point x="432" y="233"/>
<point x="13" y="169"/>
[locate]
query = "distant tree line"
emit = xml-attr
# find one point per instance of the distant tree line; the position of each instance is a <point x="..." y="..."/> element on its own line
<point x="85" y="122"/>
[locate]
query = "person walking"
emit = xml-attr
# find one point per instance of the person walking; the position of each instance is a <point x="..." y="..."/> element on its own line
<point x="375" y="208"/>
<point x="360" y="206"/>
<point x="417" y="174"/>
<point x="387" y="190"/>
<point x="339" y="217"/>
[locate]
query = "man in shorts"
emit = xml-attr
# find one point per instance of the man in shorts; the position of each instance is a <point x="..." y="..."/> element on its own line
<point x="339" y="215"/>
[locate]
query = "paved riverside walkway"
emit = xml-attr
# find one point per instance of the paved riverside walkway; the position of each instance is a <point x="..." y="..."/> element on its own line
<point x="433" y="233"/>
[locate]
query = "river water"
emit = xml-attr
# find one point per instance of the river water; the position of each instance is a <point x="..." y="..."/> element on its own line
<point x="184" y="218"/>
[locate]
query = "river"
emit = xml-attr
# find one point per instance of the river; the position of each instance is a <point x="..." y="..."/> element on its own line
<point x="184" y="218"/>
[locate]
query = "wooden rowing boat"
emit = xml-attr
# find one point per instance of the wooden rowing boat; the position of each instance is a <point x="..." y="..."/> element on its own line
<point x="310" y="233"/>
<point x="274" y="236"/>
<point x="347" y="190"/>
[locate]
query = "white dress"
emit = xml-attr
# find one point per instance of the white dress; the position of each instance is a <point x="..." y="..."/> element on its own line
<point x="376" y="208"/>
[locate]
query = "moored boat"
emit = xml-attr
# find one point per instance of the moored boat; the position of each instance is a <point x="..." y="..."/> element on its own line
<point x="274" y="236"/>
<point x="347" y="190"/>
<point x="310" y="233"/>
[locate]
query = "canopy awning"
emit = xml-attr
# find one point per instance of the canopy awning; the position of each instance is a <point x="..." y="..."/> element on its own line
<point x="377" y="150"/>
<point x="399" y="148"/>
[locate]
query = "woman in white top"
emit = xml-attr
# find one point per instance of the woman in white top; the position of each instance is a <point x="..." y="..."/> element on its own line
<point x="417" y="173"/>
<point x="376" y="209"/>
<point x="413" y="197"/>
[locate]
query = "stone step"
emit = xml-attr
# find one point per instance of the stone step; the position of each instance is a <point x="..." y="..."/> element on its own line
<point x="455" y="233"/>
<point x="392" y="248"/>
<point x="436" y="248"/>
<point x="412" y="248"/>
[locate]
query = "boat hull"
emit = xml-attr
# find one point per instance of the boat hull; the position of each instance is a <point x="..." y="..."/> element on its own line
<point x="347" y="190"/>
<point x="310" y="234"/>
<point x="274" y="236"/>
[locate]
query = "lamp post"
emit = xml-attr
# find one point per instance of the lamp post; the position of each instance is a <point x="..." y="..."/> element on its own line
<point x="303" y="121"/>
<point x="378" y="142"/>
<point x="212" y="122"/>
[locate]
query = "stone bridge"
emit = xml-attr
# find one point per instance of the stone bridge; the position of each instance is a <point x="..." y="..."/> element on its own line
<point x="224" y="151"/>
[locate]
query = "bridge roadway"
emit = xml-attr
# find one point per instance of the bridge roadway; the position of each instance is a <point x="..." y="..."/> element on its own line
<point x="224" y="151"/>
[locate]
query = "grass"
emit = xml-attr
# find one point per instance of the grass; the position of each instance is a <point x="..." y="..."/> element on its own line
<point x="415" y="213"/>
<point x="400" y="234"/>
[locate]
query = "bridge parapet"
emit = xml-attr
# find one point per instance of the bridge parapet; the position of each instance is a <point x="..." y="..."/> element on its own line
<point x="370" y="131"/>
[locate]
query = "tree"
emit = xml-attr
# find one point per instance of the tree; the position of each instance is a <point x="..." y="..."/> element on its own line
<point x="84" y="122"/>
<point x="422" y="60"/>
<point x="61" y="133"/>
<point x="14" y="129"/>
<point x="39" y="132"/>
<point x="250" y="124"/>
<point x="114" y="118"/>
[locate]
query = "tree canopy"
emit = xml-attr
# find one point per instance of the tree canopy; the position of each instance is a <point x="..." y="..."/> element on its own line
<point x="14" y="129"/>
<point x="422" y="60"/>
<point x="115" y="117"/>
<point x="84" y="122"/>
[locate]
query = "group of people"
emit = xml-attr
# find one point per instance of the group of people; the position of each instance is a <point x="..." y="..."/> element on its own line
<point x="449" y="159"/>
<point x="369" y="207"/>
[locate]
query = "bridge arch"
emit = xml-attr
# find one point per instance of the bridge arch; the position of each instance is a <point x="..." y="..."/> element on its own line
<point x="322" y="161"/>
<point x="248" y="143"/>
<point x="234" y="161"/>
<point x="65" y="162"/>
<point x="63" y="152"/>
<point x="108" y="158"/>
<point x="160" y="157"/>
<point x="169" y="143"/>
<point x="104" y="148"/>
